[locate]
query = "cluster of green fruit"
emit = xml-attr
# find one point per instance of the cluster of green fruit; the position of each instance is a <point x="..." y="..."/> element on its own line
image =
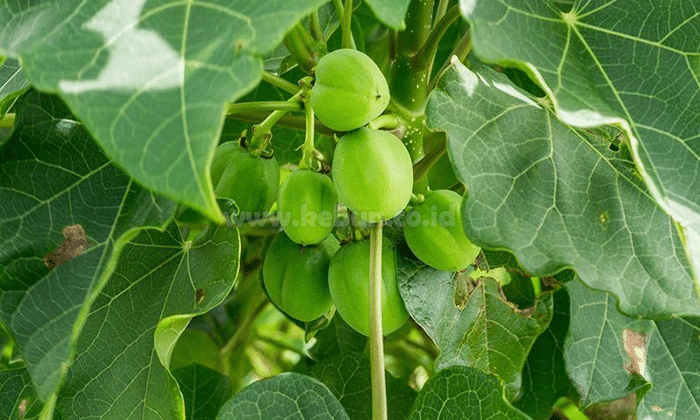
<point x="306" y="272"/>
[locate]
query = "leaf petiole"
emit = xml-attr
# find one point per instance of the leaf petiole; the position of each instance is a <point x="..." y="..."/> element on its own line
<point x="376" y="335"/>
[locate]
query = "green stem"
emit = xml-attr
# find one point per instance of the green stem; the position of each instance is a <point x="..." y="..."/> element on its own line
<point x="306" y="37"/>
<point x="441" y="9"/>
<point x="261" y="133"/>
<point x="386" y="121"/>
<point x="376" y="335"/>
<point x="308" y="159"/>
<point x="419" y="19"/>
<point x="7" y="121"/>
<point x="422" y="167"/>
<point x="263" y="106"/>
<point x="294" y="122"/>
<point x="461" y="51"/>
<point x="305" y="58"/>
<point x="347" y="41"/>
<point x="280" y="82"/>
<point x="425" y="56"/>
<point x="315" y="25"/>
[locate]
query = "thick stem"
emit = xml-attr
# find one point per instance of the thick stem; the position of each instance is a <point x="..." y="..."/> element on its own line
<point x="419" y="20"/>
<point x="280" y="82"/>
<point x="347" y="41"/>
<point x="376" y="335"/>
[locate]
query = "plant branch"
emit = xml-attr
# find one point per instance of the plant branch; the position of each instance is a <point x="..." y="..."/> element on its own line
<point x="294" y="122"/>
<point x="347" y="40"/>
<point x="280" y="82"/>
<point x="421" y="168"/>
<point x="315" y="25"/>
<point x="462" y="50"/>
<point x="441" y="9"/>
<point x="419" y="19"/>
<point x="261" y="133"/>
<point x="425" y="56"/>
<point x="376" y="335"/>
<point x="263" y="106"/>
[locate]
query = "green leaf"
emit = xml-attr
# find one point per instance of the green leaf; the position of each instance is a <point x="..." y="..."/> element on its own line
<point x="557" y="198"/>
<point x="391" y="12"/>
<point x="477" y="328"/>
<point x="595" y="349"/>
<point x="600" y="348"/>
<point x="348" y="377"/>
<point x="18" y="400"/>
<point x="544" y="375"/>
<point x="195" y="347"/>
<point x="12" y="84"/>
<point x="117" y="372"/>
<point x="285" y="396"/>
<point x="204" y="391"/>
<point x="624" y="62"/>
<point x="673" y="363"/>
<point x="461" y="392"/>
<point x="338" y="338"/>
<point x="53" y="175"/>
<point x="150" y="79"/>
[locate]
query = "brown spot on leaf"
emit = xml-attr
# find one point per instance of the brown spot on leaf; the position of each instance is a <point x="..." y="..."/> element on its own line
<point x="75" y="245"/>
<point x="635" y="344"/>
<point x="199" y="295"/>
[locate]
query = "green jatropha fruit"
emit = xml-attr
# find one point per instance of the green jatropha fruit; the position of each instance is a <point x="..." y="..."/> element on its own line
<point x="348" y="280"/>
<point x="307" y="206"/>
<point x="373" y="174"/>
<point x="434" y="232"/>
<point x="296" y="276"/>
<point x="349" y="90"/>
<point x="251" y="181"/>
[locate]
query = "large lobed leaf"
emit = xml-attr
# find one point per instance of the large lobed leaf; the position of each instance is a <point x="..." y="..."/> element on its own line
<point x="285" y="396"/>
<point x="150" y="79"/>
<point x="160" y="279"/>
<point x="480" y="329"/>
<point x="558" y="198"/>
<point x="634" y="62"/>
<point x="348" y="377"/>
<point x="53" y="175"/>
<point x="204" y="391"/>
<point x="461" y="392"/>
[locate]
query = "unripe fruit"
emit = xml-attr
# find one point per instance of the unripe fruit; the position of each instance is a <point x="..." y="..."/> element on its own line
<point x="434" y="232"/>
<point x="306" y="206"/>
<point x="251" y="181"/>
<point x="372" y="173"/>
<point x="296" y="277"/>
<point x="348" y="280"/>
<point x="349" y="90"/>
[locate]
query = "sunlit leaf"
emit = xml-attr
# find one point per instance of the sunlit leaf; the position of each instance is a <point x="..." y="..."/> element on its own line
<point x="558" y="198"/>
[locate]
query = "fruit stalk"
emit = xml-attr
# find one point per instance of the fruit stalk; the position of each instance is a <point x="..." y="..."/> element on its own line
<point x="347" y="40"/>
<point x="376" y="336"/>
<point x="279" y="82"/>
<point x="308" y="159"/>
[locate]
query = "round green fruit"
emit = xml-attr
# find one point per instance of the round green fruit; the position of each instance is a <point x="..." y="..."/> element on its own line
<point x="349" y="90"/>
<point x="348" y="280"/>
<point x="251" y="181"/>
<point x="296" y="277"/>
<point x="306" y="206"/>
<point x="434" y="232"/>
<point x="372" y="173"/>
